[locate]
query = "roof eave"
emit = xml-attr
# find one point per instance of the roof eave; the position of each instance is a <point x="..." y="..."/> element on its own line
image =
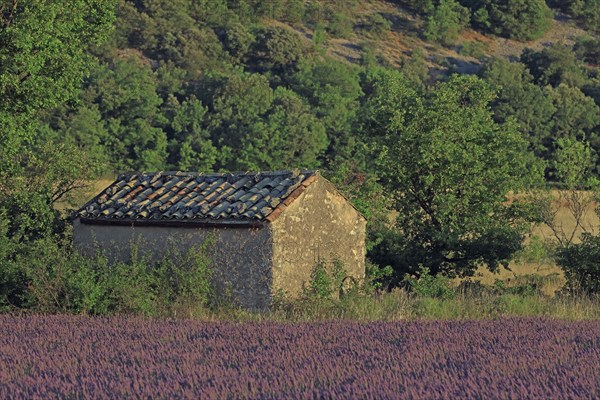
<point x="192" y="223"/>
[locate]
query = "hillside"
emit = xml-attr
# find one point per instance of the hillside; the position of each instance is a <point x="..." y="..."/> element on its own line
<point x="396" y="45"/>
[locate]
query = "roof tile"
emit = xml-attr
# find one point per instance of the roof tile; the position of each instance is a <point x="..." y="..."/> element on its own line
<point x="189" y="196"/>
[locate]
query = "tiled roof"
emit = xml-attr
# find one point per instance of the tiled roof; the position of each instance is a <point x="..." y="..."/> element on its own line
<point x="185" y="196"/>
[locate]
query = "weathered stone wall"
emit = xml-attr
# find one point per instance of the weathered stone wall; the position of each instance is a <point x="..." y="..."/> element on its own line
<point x="319" y="225"/>
<point x="241" y="256"/>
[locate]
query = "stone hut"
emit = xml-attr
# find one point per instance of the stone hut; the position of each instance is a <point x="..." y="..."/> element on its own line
<point x="269" y="229"/>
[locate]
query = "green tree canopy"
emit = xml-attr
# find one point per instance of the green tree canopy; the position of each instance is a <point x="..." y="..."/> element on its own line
<point x="554" y="65"/>
<point x="43" y="60"/>
<point x="333" y="89"/>
<point x="445" y="22"/>
<point x="258" y="128"/>
<point x="521" y="99"/>
<point x="516" y="19"/>
<point x="127" y="99"/>
<point x="449" y="168"/>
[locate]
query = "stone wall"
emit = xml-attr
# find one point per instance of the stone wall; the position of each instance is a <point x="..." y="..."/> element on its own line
<point x="319" y="225"/>
<point x="241" y="256"/>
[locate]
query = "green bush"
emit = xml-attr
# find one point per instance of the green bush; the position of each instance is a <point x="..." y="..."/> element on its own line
<point x="237" y="40"/>
<point x="427" y="285"/>
<point x="340" y="25"/>
<point x="554" y="65"/>
<point x="581" y="265"/>
<point x="587" y="49"/>
<point x="294" y="11"/>
<point x="587" y="12"/>
<point x="49" y="276"/>
<point x="277" y="49"/>
<point x="378" y="24"/>
<point x="326" y="280"/>
<point x="446" y="21"/>
<point x="515" y="19"/>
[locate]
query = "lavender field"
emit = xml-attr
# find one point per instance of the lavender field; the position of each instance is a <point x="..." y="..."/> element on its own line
<point x="81" y="357"/>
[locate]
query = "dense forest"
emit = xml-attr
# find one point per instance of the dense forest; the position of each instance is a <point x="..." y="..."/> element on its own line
<point x="229" y="85"/>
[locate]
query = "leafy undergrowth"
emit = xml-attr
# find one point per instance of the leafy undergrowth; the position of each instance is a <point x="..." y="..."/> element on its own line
<point x="81" y="357"/>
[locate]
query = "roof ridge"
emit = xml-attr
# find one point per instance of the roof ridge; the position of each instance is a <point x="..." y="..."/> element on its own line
<point x="129" y="174"/>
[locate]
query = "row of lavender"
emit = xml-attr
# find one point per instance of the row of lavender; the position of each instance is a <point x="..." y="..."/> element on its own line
<point x="80" y="357"/>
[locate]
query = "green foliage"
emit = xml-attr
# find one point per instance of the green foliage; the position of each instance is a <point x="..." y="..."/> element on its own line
<point x="43" y="60"/>
<point x="573" y="163"/>
<point x="333" y="90"/>
<point x="581" y="265"/>
<point x="128" y="102"/>
<point x="237" y="41"/>
<point x="576" y="115"/>
<point x="294" y="11"/>
<point x="537" y="250"/>
<point x="43" y="51"/>
<point x="419" y="6"/>
<point x="258" y="128"/>
<point x="554" y="65"/>
<point x="340" y="25"/>
<point x="49" y="276"/>
<point x="277" y="49"/>
<point x="587" y="12"/>
<point x="190" y="144"/>
<point x="319" y="39"/>
<point x="449" y="167"/>
<point x="415" y="69"/>
<point x="183" y="278"/>
<point x="378" y="24"/>
<point x="516" y="19"/>
<point x="326" y="280"/>
<point x="521" y="99"/>
<point x="587" y="49"/>
<point x="473" y="49"/>
<point x="445" y="22"/>
<point x="573" y="168"/>
<point x="377" y="277"/>
<point x="427" y="285"/>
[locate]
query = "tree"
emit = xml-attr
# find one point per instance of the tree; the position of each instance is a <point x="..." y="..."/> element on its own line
<point x="446" y="21"/>
<point x="333" y="90"/>
<point x="581" y="265"/>
<point x="576" y="115"/>
<point x="415" y="68"/>
<point x="127" y="99"/>
<point x="517" y="19"/>
<point x="520" y="98"/>
<point x="258" y="128"/>
<point x="554" y="65"/>
<point x="295" y="138"/>
<point x="237" y="40"/>
<point x="277" y="49"/>
<point x="43" y="60"/>
<point x="449" y="168"/>
<point x="586" y="11"/>
<point x="587" y="49"/>
<point x="190" y="144"/>
<point x="573" y="167"/>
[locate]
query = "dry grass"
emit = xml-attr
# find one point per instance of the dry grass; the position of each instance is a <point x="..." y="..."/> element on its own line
<point x="544" y="266"/>
<point x="81" y="196"/>
<point x="403" y="38"/>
